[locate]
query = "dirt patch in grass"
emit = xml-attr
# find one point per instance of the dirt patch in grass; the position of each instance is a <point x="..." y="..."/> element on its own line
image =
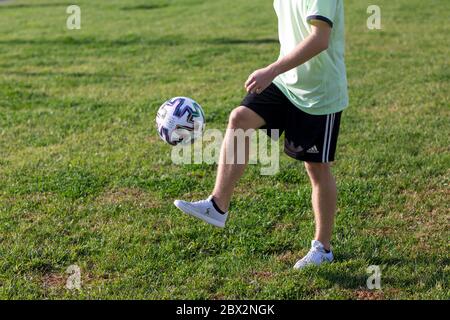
<point x="283" y="226"/>
<point x="381" y="231"/>
<point x="262" y="275"/>
<point x="429" y="217"/>
<point x="423" y="217"/>
<point x="133" y="197"/>
<point x="364" y="294"/>
<point x="58" y="281"/>
<point x="30" y="205"/>
<point x="41" y="198"/>
<point x="54" y="281"/>
<point x="286" y="257"/>
<point x="35" y="198"/>
<point x="428" y="229"/>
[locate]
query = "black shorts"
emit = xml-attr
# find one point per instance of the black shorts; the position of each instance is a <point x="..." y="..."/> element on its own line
<point x="307" y="137"/>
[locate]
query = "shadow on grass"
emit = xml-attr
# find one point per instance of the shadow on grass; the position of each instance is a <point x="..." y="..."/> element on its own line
<point x="69" y="41"/>
<point x="395" y="261"/>
<point x="342" y="279"/>
<point x="135" y="40"/>
<point x="8" y="5"/>
<point x="232" y="41"/>
<point x="64" y="74"/>
<point x="145" y="7"/>
<point x="354" y="279"/>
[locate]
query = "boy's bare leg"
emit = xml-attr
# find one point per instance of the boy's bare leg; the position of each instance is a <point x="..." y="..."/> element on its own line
<point x="228" y="173"/>
<point x="324" y="198"/>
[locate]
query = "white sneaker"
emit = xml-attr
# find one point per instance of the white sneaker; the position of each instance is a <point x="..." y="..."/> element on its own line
<point x="315" y="257"/>
<point x="203" y="210"/>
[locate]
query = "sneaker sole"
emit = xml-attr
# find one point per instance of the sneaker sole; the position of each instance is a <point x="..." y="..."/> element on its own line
<point x="187" y="210"/>
<point x="312" y="265"/>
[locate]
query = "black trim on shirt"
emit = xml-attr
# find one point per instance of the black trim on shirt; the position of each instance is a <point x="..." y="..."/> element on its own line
<point x="321" y="18"/>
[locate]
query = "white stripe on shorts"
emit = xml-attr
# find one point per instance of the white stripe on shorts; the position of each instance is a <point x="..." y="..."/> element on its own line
<point x="330" y="136"/>
<point x="327" y="138"/>
<point x="324" y="149"/>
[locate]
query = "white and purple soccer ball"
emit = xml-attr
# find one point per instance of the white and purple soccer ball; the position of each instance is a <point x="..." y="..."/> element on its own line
<point x="180" y="120"/>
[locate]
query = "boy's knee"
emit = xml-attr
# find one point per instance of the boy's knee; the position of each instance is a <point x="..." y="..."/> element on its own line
<point x="238" y="118"/>
<point x="244" y="118"/>
<point x="318" y="171"/>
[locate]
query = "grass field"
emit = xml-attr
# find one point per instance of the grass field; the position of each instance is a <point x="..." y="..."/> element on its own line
<point x="85" y="180"/>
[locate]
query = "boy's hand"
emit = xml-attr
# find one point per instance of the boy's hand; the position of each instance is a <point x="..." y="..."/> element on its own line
<point x="259" y="80"/>
<point x="314" y="44"/>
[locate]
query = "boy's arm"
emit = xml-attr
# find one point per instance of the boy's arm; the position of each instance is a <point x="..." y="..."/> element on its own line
<point x="314" y="44"/>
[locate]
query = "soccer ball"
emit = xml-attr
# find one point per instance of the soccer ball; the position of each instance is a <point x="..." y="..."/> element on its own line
<point x="180" y="120"/>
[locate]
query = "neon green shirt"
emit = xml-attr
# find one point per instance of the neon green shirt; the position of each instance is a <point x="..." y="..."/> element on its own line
<point x="319" y="86"/>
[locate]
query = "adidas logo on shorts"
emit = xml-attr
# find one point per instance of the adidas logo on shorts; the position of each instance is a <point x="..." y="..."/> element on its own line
<point x="313" y="150"/>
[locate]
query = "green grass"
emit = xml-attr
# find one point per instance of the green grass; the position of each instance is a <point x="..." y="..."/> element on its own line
<point x="85" y="180"/>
